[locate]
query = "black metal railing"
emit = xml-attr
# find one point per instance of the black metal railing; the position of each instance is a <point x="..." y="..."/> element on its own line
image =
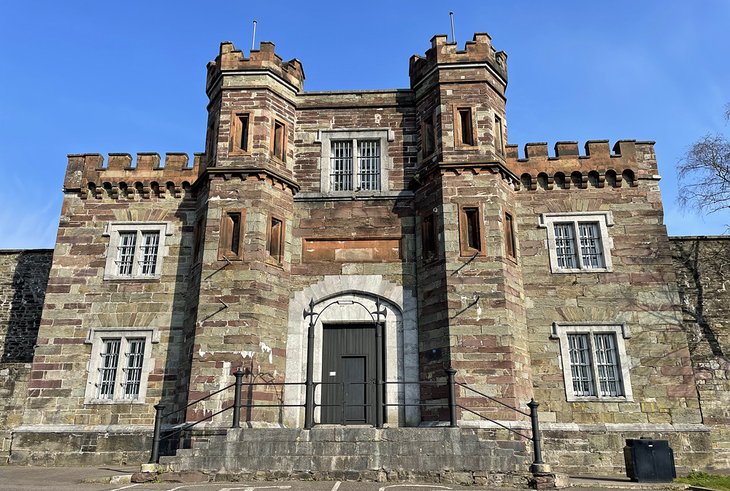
<point x="381" y="404"/>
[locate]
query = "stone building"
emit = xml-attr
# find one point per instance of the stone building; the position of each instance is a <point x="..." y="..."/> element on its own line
<point x="414" y="239"/>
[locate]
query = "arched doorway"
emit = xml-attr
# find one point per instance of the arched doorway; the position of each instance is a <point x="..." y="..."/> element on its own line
<point x="346" y="342"/>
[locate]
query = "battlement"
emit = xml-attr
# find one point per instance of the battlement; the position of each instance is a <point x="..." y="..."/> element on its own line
<point x="147" y="175"/>
<point x="264" y="58"/>
<point x="629" y="161"/>
<point x="478" y="50"/>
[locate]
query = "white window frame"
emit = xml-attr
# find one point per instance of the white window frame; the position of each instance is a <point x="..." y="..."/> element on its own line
<point x="96" y="338"/>
<point x="381" y="135"/>
<point x="604" y="219"/>
<point x="113" y="231"/>
<point x="561" y="331"/>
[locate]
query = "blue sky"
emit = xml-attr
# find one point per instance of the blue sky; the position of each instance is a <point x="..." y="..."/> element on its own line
<point x="90" y="76"/>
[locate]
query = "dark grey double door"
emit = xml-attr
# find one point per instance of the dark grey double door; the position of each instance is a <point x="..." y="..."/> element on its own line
<point x="349" y="355"/>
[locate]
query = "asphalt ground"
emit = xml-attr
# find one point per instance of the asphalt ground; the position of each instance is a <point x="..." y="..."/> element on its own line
<point x="23" y="478"/>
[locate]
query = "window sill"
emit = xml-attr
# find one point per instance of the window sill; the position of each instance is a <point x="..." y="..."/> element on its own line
<point x="115" y="402"/>
<point x="130" y="279"/>
<point x="275" y="263"/>
<point x="599" y="399"/>
<point x="582" y="271"/>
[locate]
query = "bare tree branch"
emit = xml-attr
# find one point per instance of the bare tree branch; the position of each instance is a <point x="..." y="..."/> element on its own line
<point x="704" y="173"/>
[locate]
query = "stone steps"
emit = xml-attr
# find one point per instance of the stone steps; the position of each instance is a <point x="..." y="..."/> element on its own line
<point x="361" y="452"/>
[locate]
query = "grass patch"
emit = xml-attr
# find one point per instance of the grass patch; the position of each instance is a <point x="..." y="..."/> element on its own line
<point x="705" y="480"/>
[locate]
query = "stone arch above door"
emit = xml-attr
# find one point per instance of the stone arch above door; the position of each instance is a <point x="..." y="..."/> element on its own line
<point x="401" y="333"/>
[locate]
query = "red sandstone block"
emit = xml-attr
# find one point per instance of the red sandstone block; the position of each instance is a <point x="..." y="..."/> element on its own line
<point x="44" y="384"/>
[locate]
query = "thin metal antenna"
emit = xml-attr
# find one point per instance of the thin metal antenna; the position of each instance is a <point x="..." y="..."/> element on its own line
<point x="453" y="38"/>
<point x="253" y="37"/>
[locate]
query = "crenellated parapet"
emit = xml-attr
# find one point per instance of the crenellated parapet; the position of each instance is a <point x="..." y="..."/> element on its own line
<point x="146" y="177"/>
<point x="478" y="50"/>
<point x="231" y="59"/>
<point x="629" y="162"/>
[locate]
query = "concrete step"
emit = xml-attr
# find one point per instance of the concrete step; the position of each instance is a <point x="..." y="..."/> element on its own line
<point x="362" y="452"/>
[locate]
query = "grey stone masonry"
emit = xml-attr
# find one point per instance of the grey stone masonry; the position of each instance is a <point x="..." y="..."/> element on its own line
<point x="458" y="455"/>
<point x="23" y="278"/>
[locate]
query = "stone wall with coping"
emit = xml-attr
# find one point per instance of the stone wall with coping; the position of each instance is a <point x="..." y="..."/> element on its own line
<point x="703" y="270"/>
<point x="23" y="278"/>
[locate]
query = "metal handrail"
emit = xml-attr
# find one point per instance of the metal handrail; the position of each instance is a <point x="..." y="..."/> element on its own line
<point x="380" y="406"/>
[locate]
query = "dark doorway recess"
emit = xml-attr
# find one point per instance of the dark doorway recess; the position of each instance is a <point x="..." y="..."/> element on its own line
<point x="349" y="357"/>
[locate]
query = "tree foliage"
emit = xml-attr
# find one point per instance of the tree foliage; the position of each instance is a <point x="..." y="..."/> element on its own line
<point x="704" y="173"/>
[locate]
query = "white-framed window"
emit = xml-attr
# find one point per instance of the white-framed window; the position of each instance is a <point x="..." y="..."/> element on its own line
<point x="119" y="365"/>
<point x="578" y="242"/>
<point x="135" y="250"/>
<point x="354" y="161"/>
<point x="594" y="362"/>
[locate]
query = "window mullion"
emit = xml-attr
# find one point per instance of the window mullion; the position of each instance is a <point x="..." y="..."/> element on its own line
<point x="594" y="365"/>
<point x="355" y="165"/>
<point x="121" y="368"/>
<point x="136" y="258"/>
<point x="579" y="255"/>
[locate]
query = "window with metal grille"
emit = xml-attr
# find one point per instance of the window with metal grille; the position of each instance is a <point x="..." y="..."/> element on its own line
<point x="135" y="250"/>
<point x="125" y="253"/>
<point x="149" y="251"/>
<point x="590" y="251"/>
<point x="369" y="164"/>
<point x="590" y="245"/>
<point x="108" y="368"/>
<point x="133" y="371"/>
<point x="120" y="367"/>
<point x="578" y="242"/>
<point x="565" y="245"/>
<point x="594" y="365"/>
<point x="594" y="361"/>
<point x="341" y="166"/>
<point x="120" y="364"/>
<point x="350" y="172"/>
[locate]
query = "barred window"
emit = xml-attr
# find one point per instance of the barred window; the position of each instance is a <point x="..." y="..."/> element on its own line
<point x="120" y="364"/>
<point x="120" y="368"/>
<point x="593" y="358"/>
<point x="342" y="166"/>
<point x="125" y="252"/>
<point x="578" y="242"/>
<point x="135" y="250"/>
<point x="108" y="370"/>
<point x="355" y="172"/>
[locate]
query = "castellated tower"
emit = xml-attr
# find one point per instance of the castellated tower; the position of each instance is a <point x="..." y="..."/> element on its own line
<point x="245" y="208"/>
<point x="471" y="310"/>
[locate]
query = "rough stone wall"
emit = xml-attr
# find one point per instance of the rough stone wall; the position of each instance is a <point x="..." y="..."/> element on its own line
<point x="23" y="278"/>
<point x="640" y="292"/>
<point x="703" y="270"/>
<point x="79" y="299"/>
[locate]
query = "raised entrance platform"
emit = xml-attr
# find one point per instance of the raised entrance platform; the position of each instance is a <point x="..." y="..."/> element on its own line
<point x="458" y="455"/>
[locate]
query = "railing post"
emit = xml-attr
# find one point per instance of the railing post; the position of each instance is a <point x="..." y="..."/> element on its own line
<point x="155" y="455"/>
<point x="538" y="466"/>
<point x="309" y="382"/>
<point x="450" y="377"/>
<point x="237" y="399"/>
<point x="378" y="371"/>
